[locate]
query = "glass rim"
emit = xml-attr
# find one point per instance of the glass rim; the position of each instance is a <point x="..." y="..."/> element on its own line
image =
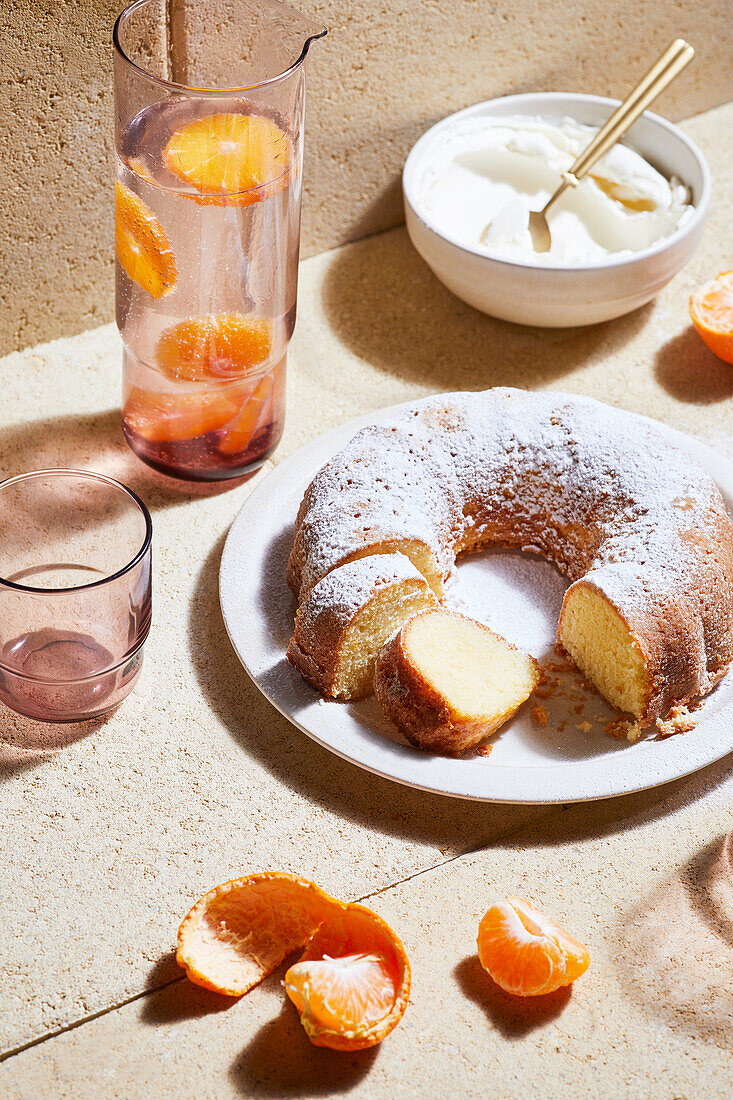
<point x="92" y="475"/>
<point x="188" y="88"/>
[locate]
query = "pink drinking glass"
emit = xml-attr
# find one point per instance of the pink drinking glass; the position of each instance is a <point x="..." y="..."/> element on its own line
<point x="75" y="593"/>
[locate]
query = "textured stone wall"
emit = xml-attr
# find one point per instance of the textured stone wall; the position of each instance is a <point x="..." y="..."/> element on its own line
<point x="388" y="69"/>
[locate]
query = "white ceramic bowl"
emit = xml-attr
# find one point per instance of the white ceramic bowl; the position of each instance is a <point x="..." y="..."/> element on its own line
<point x="561" y="296"/>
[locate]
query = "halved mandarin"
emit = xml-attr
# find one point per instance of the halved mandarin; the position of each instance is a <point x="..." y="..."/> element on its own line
<point x="525" y="952"/>
<point x="239" y="932"/>
<point x="174" y="417"/>
<point x="217" y="346"/>
<point x="711" y="309"/>
<point x="352" y="985"/>
<point x="142" y="245"/>
<point x="231" y="158"/>
<point x="252" y="416"/>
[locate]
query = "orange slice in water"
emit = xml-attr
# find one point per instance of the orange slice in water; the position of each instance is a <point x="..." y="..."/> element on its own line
<point x="217" y="346"/>
<point x="525" y="952"/>
<point x="174" y="418"/>
<point x="142" y="245"/>
<point x="711" y="309"/>
<point x="252" y="416"/>
<point x="352" y="984"/>
<point x="231" y="158"/>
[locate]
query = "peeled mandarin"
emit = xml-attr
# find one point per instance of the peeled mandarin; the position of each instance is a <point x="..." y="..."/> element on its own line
<point x="352" y="985"/>
<point x="527" y="953"/>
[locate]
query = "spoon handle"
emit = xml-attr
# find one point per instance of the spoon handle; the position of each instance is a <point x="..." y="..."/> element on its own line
<point x="669" y="65"/>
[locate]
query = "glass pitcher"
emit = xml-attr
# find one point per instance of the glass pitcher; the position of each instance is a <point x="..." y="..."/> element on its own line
<point x="209" y="110"/>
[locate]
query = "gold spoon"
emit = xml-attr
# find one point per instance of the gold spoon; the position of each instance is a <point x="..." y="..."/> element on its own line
<point x="669" y="65"/>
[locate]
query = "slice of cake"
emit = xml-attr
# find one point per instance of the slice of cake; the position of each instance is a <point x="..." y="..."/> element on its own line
<point x="447" y="681"/>
<point x="344" y="620"/>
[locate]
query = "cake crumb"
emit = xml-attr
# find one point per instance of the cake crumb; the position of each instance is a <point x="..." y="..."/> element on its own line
<point x="584" y="727"/>
<point x="621" y="728"/>
<point x="484" y="750"/>
<point x="539" y="715"/>
<point x="679" y="720"/>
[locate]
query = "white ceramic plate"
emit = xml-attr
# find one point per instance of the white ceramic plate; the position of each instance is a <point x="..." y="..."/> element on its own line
<point x="571" y="759"/>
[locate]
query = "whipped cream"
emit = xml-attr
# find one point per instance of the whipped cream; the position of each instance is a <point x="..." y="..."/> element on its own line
<point x="497" y="169"/>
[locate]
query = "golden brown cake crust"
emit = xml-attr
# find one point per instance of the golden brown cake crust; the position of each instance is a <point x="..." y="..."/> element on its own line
<point x="601" y="493"/>
<point x="329" y="610"/>
<point x="419" y="710"/>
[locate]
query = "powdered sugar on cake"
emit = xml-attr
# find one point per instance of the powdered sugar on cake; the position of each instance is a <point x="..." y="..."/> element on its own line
<point x="598" y="491"/>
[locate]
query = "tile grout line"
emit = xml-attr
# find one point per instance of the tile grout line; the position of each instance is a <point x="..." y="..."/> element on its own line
<point x="85" y="1020"/>
<point x="467" y="852"/>
<point x="49" y="1035"/>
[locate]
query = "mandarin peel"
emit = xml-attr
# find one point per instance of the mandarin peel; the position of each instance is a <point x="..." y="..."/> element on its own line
<point x="177" y="417"/>
<point x="252" y="416"/>
<point x="352" y="983"/>
<point x="239" y="932"/>
<point x="525" y="952"/>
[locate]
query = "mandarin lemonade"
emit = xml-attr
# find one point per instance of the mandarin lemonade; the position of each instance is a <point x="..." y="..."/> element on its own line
<point x="207" y="237"/>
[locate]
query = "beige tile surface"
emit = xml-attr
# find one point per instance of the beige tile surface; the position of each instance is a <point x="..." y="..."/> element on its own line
<point x="108" y="833"/>
<point x="386" y="71"/>
<point x="647" y="884"/>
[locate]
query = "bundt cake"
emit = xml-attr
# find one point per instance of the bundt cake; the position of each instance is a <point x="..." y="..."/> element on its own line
<point x="342" y="622"/>
<point x="448" y="682"/>
<point x="637" y="525"/>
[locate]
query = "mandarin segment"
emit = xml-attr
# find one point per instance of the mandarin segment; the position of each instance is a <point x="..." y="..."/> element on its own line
<point x="142" y="246"/>
<point x="339" y="995"/>
<point x="214" y="347"/>
<point x="711" y="310"/>
<point x="527" y="953"/>
<point x="231" y="158"/>
<point x="239" y="932"/>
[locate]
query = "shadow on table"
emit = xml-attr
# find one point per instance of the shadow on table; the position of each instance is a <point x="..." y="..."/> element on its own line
<point x="95" y="441"/>
<point x="25" y="743"/>
<point x="386" y="305"/>
<point x="281" y="1061"/>
<point x="513" y="1016"/>
<point x="610" y="816"/>
<point x="173" y="998"/>
<point x="674" y="949"/>
<point x="689" y="371"/>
